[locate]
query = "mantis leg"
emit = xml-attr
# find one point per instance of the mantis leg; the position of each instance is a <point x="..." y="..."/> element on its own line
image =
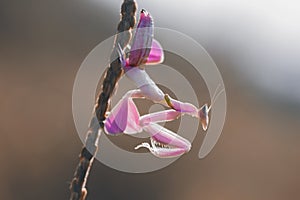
<point x="164" y="143"/>
<point x="125" y="118"/>
<point x="186" y="108"/>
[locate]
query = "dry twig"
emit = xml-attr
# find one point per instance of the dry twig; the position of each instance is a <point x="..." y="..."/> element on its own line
<point x="113" y="74"/>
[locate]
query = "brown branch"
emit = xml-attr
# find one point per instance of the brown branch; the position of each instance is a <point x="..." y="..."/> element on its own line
<point x="113" y="74"/>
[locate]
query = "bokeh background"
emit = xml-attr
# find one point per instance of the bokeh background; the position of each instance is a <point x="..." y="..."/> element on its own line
<point x="256" y="46"/>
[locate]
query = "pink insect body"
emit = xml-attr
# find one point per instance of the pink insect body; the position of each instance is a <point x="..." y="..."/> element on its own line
<point x="143" y="38"/>
<point x="125" y="118"/>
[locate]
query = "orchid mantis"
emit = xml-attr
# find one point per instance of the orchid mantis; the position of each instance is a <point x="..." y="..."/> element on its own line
<point x="125" y="118"/>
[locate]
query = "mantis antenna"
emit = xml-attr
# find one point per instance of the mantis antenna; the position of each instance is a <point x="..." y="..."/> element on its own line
<point x="215" y="97"/>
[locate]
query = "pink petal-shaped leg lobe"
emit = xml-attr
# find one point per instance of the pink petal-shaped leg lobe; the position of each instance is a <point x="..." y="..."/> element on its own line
<point x="124" y="118"/>
<point x="156" y="54"/>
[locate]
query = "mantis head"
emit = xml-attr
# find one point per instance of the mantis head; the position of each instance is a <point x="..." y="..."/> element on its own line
<point x="203" y="115"/>
<point x="204" y="110"/>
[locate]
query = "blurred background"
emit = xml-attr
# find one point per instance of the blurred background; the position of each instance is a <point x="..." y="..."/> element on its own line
<point x="255" y="45"/>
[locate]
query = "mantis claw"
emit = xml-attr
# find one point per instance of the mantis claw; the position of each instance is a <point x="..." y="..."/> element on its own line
<point x="145" y="145"/>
